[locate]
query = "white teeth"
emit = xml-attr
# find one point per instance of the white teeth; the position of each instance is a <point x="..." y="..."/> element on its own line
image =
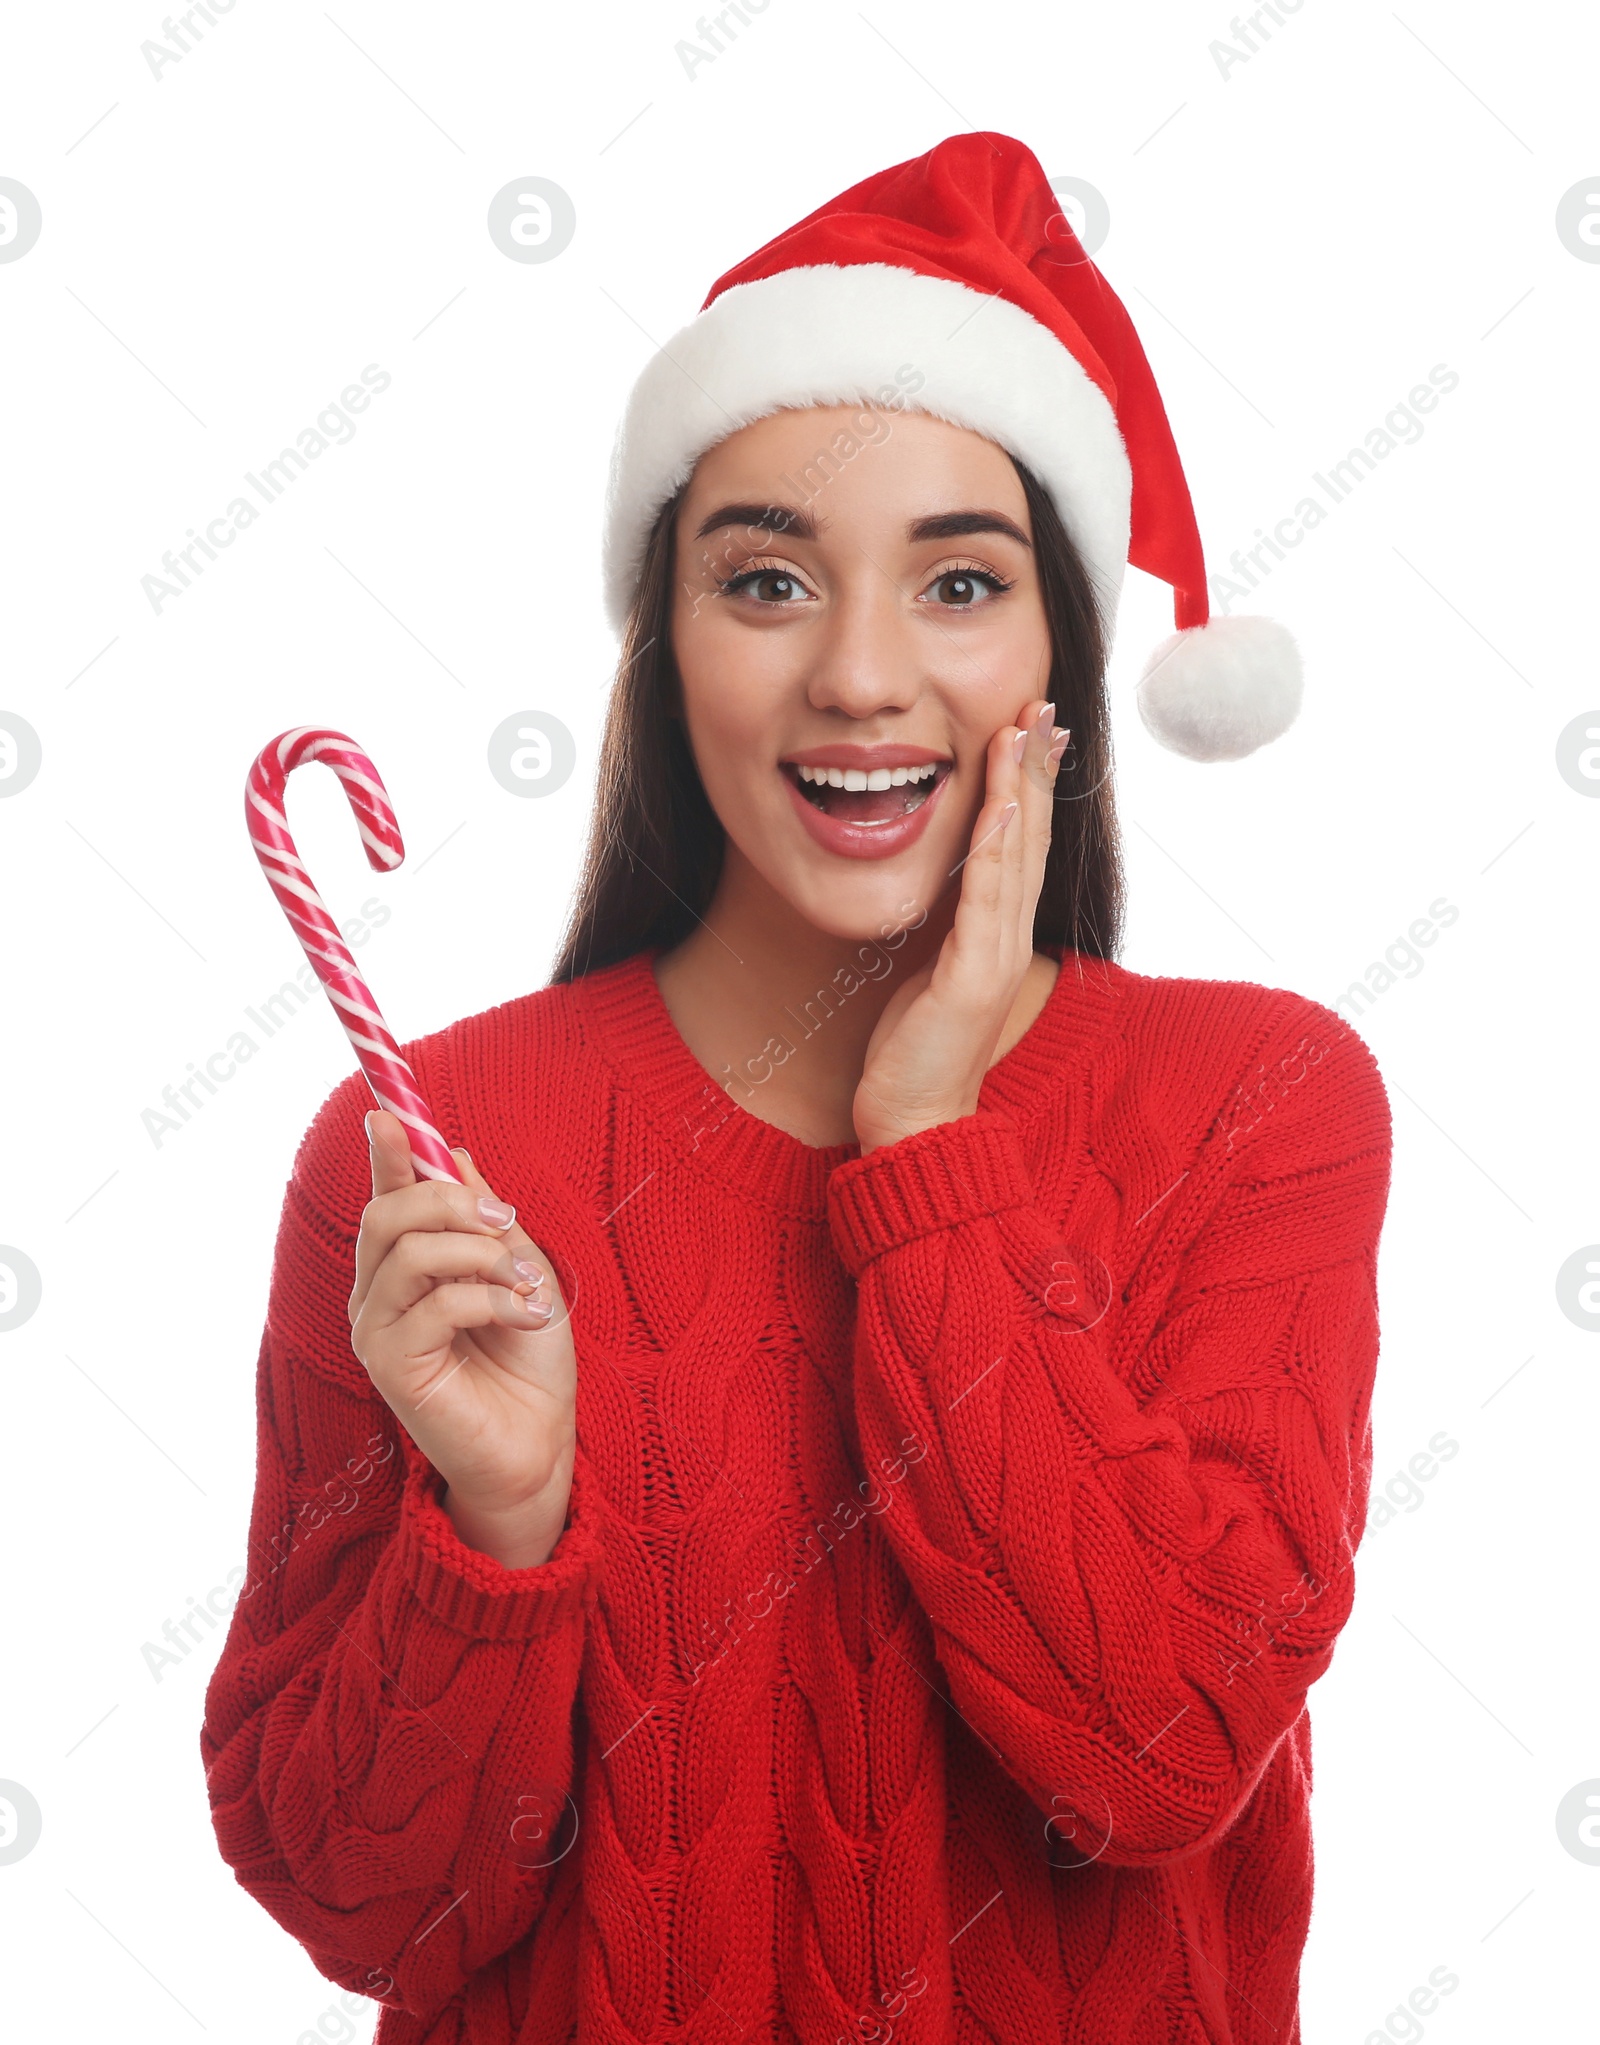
<point x="880" y="777"/>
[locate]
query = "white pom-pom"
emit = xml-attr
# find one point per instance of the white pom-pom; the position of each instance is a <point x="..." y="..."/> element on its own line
<point x="1218" y="691"/>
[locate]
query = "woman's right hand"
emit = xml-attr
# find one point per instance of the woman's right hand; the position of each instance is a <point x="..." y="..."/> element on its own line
<point x="458" y="1318"/>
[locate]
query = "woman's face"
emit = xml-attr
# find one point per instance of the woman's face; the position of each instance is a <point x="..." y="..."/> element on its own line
<point x="854" y="588"/>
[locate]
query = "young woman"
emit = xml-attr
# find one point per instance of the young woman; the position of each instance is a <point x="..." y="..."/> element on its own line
<point x="827" y="1533"/>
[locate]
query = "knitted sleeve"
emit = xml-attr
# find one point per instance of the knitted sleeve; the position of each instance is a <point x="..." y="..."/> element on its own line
<point x="1146" y="1443"/>
<point x="387" y="1736"/>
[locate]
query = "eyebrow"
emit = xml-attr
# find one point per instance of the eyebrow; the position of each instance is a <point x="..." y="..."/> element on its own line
<point x="799" y="524"/>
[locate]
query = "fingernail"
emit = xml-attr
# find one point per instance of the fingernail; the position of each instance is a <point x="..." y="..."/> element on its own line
<point x="1017" y="745"/>
<point x="539" y="1309"/>
<point x="1047" y="717"/>
<point x="494" y="1216"/>
<point x="366" y="1122"/>
<point x="527" y="1269"/>
<point x="1007" y="814"/>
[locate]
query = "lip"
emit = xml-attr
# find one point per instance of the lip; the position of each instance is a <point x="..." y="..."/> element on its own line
<point x="865" y="757"/>
<point x="864" y="841"/>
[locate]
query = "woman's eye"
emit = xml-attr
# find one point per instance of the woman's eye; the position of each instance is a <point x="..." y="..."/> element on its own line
<point x="967" y="587"/>
<point x="776" y="588"/>
<point x="769" y="586"/>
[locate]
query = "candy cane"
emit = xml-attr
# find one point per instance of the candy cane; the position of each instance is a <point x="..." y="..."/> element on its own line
<point x="390" y="1077"/>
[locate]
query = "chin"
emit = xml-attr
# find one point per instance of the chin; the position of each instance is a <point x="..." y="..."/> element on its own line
<point x="867" y="903"/>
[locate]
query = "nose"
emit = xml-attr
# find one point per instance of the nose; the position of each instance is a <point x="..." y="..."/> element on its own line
<point x="866" y="657"/>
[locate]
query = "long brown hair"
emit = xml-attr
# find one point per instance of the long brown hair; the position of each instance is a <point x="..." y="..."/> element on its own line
<point x="655" y="845"/>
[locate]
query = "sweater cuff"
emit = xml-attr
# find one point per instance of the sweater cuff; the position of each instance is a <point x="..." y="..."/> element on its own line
<point x="954" y="1172"/>
<point x="471" y="1591"/>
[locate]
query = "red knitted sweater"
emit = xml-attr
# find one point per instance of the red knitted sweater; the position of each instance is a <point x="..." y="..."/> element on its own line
<point x="956" y="1532"/>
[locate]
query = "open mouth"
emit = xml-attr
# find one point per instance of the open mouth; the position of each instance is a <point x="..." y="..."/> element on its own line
<point x="882" y="797"/>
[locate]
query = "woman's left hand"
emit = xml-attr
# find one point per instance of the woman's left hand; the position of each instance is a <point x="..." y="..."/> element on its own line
<point x="936" y="1038"/>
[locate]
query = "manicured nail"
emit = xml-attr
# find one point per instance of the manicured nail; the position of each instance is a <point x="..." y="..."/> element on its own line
<point x="1017" y="745"/>
<point x="494" y="1216"/>
<point x="1047" y="717"/>
<point x="1007" y="814"/>
<point x="538" y="1309"/>
<point x="526" y="1269"/>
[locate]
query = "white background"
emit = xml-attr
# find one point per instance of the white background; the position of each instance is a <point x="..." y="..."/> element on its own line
<point x="224" y="249"/>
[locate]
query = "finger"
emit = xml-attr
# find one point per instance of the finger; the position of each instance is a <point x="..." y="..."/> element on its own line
<point x="390" y="1152"/>
<point x="1012" y="841"/>
<point x="516" y="1236"/>
<point x="425" y="1203"/>
<point x="986" y="945"/>
<point x="1036" y="774"/>
<point x="973" y="948"/>
<point x="445" y="1312"/>
<point x="426" y="1257"/>
<point x="389" y="1156"/>
<point x="1056" y="740"/>
<point x="1008" y="915"/>
<point x="1036" y="795"/>
<point x="517" y="1239"/>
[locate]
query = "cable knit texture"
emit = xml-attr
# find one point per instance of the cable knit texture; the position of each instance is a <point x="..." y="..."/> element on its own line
<point x="955" y="1534"/>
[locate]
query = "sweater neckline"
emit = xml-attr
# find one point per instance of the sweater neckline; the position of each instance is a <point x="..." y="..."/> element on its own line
<point x="626" y="1018"/>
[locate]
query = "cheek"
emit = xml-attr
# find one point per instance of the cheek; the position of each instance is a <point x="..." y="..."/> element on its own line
<point x="987" y="673"/>
<point x="730" y="694"/>
<point x="1016" y="650"/>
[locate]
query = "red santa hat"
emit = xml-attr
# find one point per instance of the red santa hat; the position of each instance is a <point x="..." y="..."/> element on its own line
<point x="960" y="265"/>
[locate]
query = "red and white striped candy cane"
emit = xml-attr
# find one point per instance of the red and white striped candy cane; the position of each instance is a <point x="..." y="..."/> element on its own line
<point x="390" y="1077"/>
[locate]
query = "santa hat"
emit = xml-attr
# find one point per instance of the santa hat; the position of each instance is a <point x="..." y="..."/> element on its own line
<point x="960" y="266"/>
